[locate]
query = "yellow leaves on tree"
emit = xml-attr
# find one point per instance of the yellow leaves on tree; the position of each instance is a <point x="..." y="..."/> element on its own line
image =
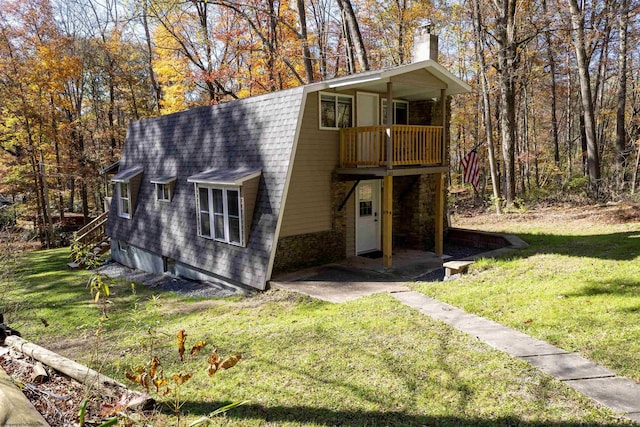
<point x="172" y="71"/>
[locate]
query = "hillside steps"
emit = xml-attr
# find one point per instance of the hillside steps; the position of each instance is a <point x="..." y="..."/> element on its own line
<point x="92" y="240"/>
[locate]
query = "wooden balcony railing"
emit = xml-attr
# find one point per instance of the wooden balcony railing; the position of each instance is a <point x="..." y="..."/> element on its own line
<point x="412" y="145"/>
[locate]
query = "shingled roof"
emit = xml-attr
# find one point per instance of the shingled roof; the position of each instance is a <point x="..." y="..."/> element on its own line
<point x="255" y="134"/>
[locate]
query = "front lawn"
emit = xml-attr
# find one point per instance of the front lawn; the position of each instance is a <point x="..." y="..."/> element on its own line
<point x="577" y="286"/>
<point x="369" y="362"/>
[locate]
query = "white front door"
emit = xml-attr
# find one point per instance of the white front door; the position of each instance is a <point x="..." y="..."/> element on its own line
<point x="368" y="218"/>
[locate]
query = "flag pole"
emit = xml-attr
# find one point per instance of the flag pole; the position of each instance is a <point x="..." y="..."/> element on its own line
<point x="475" y="148"/>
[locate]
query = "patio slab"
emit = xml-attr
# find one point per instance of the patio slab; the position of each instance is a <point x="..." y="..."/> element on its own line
<point x="358" y="276"/>
<point x="337" y="292"/>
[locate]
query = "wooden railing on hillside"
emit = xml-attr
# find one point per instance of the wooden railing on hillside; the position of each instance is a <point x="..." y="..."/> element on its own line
<point x="92" y="233"/>
<point x="412" y="145"/>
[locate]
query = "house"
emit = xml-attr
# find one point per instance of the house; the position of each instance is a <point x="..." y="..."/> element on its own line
<point x="241" y="190"/>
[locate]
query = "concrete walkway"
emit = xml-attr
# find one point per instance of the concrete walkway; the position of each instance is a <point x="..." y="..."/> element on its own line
<point x="597" y="382"/>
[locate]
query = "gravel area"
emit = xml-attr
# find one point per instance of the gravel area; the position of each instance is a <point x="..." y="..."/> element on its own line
<point x="167" y="283"/>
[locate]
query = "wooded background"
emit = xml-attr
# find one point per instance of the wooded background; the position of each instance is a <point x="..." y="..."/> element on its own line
<point x="556" y="100"/>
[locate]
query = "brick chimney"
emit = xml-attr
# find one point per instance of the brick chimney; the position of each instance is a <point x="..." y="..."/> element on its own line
<point x="425" y="44"/>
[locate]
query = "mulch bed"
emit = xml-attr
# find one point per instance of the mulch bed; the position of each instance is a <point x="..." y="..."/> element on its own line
<point x="59" y="398"/>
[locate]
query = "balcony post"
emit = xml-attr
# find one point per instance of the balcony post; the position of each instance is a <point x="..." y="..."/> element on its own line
<point x="389" y="123"/>
<point x="439" y="225"/>
<point x="443" y="105"/>
<point x="387" y="221"/>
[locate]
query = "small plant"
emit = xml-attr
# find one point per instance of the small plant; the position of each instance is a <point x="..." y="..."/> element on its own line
<point x="79" y="251"/>
<point x="100" y="292"/>
<point x="154" y="379"/>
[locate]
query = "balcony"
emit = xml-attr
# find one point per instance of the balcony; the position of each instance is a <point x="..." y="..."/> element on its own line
<point x="363" y="147"/>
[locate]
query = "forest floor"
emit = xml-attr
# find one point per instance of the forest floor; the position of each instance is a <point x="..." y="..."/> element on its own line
<point x="543" y="215"/>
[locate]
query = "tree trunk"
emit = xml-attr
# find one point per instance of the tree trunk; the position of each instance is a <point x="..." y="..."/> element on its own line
<point x="157" y="90"/>
<point x="355" y="35"/>
<point x="306" y="52"/>
<point x="554" y="102"/>
<point x="506" y="39"/>
<point x="621" y="141"/>
<point x="593" y="158"/>
<point x="635" y="170"/>
<point x="81" y="373"/>
<point x="486" y="103"/>
<point x="402" y="7"/>
<point x="85" y="201"/>
<point x="272" y="35"/>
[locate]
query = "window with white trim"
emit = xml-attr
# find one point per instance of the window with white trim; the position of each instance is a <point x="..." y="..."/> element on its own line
<point x="220" y="214"/>
<point x="163" y="192"/>
<point x="124" y="200"/>
<point x="164" y="187"/>
<point x="336" y="111"/>
<point x="400" y="112"/>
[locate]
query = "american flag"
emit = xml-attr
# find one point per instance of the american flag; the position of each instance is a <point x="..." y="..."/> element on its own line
<point x="471" y="169"/>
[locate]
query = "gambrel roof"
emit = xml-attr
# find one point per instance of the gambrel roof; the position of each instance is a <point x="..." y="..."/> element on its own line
<point x="253" y="134"/>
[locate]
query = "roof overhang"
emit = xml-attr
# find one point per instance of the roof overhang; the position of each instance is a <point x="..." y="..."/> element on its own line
<point x="112" y="168"/>
<point x="230" y="177"/>
<point x="417" y="81"/>
<point x="127" y="175"/>
<point x="165" y="179"/>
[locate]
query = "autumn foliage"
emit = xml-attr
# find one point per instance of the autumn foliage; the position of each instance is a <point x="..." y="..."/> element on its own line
<point x="74" y="74"/>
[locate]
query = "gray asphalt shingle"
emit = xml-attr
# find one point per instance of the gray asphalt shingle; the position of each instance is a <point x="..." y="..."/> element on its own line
<point x="250" y="134"/>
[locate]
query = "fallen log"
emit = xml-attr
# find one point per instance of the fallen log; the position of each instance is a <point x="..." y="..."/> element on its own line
<point x="15" y="408"/>
<point x="81" y="373"/>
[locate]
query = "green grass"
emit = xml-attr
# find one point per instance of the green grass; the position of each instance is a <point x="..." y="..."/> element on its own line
<point x="577" y="286"/>
<point x="369" y="362"/>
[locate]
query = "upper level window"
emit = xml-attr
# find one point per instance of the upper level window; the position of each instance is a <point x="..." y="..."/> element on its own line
<point x="163" y="192"/>
<point x="127" y="184"/>
<point x="336" y="111"/>
<point x="124" y="200"/>
<point x="400" y="112"/>
<point x="164" y="187"/>
<point x="219" y="214"/>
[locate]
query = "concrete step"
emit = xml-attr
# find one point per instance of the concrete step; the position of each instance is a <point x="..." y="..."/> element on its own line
<point x="455" y="267"/>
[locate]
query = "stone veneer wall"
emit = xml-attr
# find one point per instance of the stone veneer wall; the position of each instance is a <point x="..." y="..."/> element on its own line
<point x="414" y="211"/>
<point x="305" y="250"/>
